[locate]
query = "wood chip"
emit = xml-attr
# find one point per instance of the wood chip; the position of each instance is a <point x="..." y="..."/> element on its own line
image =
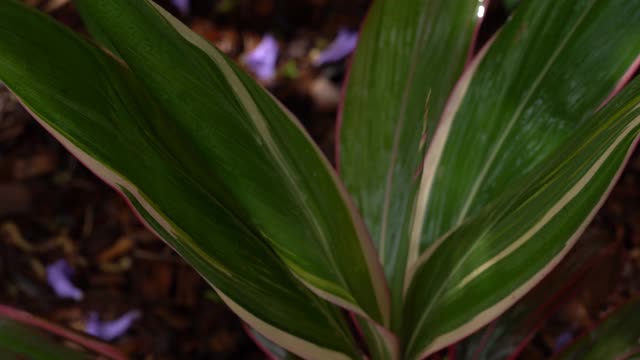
<point x="35" y="165"/>
<point x="325" y="94"/>
<point x="188" y="283"/>
<point x="154" y="279"/>
<point x="122" y="246"/>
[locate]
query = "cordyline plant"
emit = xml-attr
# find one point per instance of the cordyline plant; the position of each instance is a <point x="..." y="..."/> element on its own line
<point x="464" y="178"/>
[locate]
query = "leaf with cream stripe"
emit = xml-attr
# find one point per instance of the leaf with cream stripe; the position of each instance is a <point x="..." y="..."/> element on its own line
<point x="242" y="147"/>
<point x="521" y="236"/>
<point x="617" y="337"/>
<point x="549" y="68"/>
<point x="273" y="351"/>
<point x="18" y="341"/>
<point x="509" y="335"/>
<point x="543" y="76"/>
<point x="381" y="342"/>
<point x="98" y="109"/>
<point x="410" y="54"/>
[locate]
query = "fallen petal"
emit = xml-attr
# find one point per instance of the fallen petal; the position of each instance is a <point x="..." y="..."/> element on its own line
<point x="343" y="45"/>
<point x="182" y="5"/>
<point x="58" y="278"/>
<point x="262" y="60"/>
<point x="109" y="330"/>
<point x="562" y="340"/>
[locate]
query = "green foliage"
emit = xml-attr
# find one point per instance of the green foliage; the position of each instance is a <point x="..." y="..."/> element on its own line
<point x="465" y="178"/>
<point x="21" y="342"/>
<point x="617" y="337"/>
<point x="24" y="336"/>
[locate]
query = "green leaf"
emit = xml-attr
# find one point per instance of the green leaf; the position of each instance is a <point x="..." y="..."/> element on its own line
<point x="618" y="337"/>
<point x="507" y="336"/>
<point x="510" y="5"/>
<point x="477" y="271"/>
<point x="244" y="149"/>
<point x="18" y="341"/>
<point x="22" y="335"/>
<point x="99" y="110"/>
<point x="547" y="71"/>
<point x="96" y="32"/>
<point x="381" y="342"/>
<point x="274" y="351"/>
<point x="409" y="56"/>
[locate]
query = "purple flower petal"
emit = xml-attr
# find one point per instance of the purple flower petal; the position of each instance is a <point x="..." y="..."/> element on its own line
<point x="340" y="48"/>
<point x="182" y="5"/>
<point x="262" y="60"/>
<point x="563" y="340"/>
<point x="109" y="330"/>
<point x="58" y="278"/>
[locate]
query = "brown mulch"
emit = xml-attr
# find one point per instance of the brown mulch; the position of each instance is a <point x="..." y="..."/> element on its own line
<point x="51" y="207"/>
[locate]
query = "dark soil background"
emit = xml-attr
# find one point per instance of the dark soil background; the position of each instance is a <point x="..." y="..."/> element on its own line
<point x="51" y="207"/>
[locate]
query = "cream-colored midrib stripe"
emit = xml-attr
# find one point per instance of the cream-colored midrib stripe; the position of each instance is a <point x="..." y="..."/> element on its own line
<point x="431" y="163"/>
<point x="440" y="141"/>
<point x="263" y="128"/>
<point x="512" y="121"/>
<point x="568" y="197"/>
<point x="494" y="311"/>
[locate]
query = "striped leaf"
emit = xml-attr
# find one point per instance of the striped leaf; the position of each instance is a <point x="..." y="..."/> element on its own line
<point x="382" y="344"/>
<point x="99" y="110"/>
<point x="544" y="75"/>
<point x="548" y="70"/>
<point x="271" y="350"/>
<point x="507" y="336"/>
<point x="510" y="4"/>
<point x="18" y="341"/>
<point x="618" y="337"/>
<point x="410" y="54"/>
<point x="24" y="336"/>
<point x="478" y="270"/>
<point x="250" y="154"/>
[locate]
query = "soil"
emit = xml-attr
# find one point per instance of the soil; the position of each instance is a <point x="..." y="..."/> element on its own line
<point x="51" y="207"/>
